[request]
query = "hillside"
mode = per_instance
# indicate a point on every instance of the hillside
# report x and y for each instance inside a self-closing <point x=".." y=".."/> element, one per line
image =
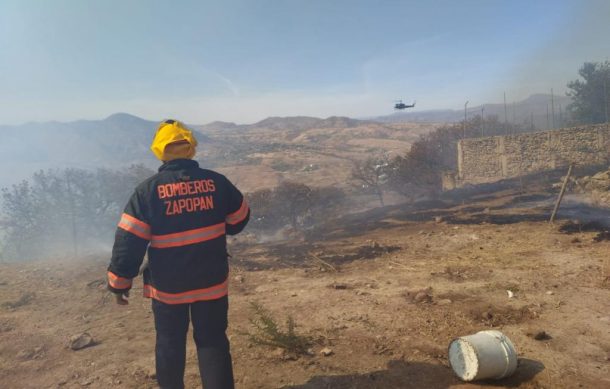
<point x="310" y="150"/>
<point x="281" y="147"/>
<point x="119" y="140"/>
<point x="273" y="149"/>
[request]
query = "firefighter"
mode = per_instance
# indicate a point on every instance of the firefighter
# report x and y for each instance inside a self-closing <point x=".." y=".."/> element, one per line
<point x="181" y="215"/>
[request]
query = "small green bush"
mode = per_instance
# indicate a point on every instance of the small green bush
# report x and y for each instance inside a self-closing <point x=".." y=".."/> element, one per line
<point x="268" y="333"/>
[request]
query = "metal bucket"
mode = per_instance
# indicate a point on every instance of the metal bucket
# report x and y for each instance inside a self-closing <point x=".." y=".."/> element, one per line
<point x="486" y="354"/>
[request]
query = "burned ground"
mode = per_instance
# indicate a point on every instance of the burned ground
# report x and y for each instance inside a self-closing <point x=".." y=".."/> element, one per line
<point x="385" y="291"/>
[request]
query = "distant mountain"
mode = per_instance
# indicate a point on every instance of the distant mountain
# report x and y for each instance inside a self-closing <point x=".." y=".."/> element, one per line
<point x="535" y="106"/>
<point x="218" y="125"/>
<point x="122" y="139"/>
<point x="289" y="123"/>
<point x="119" y="140"/>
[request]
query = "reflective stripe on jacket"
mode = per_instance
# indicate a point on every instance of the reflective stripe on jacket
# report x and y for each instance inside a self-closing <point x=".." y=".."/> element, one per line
<point x="181" y="215"/>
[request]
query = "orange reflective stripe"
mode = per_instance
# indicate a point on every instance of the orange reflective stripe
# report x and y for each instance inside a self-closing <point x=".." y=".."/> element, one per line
<point x="211" y="293"/>
<point x="239" y="215"/>
<point x="135" y="226"/>
<point x="188" y="237"/>
<point x="118" y="282"/>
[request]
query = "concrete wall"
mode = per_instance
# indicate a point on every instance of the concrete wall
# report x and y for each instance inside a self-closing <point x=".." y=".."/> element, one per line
<point x="495" y="158"/>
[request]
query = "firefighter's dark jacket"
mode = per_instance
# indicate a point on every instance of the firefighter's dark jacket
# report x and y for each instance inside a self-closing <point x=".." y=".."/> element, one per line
<point x="182" y="215"/>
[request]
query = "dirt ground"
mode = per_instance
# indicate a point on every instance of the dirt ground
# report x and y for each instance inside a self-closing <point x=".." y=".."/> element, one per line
<point x="386" y="291"/>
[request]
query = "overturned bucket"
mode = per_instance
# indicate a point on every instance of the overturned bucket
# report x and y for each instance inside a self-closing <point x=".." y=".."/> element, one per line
<point x="486" y="354"/>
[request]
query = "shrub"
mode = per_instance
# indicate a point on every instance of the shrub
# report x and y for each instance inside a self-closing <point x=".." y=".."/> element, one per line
<point x="267" y="332"/>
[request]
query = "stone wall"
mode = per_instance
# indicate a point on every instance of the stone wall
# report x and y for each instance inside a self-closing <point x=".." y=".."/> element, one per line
<point x="483" y="160"/>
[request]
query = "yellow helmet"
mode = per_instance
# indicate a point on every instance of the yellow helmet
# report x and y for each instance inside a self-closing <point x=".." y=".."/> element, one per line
<point x="172" y="131"/>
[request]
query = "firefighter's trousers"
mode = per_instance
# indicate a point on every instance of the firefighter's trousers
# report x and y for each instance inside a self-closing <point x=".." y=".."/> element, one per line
<point x="209" y="320"/>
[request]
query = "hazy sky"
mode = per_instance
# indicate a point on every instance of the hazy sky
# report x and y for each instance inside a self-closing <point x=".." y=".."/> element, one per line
<point x="245" y="60"/>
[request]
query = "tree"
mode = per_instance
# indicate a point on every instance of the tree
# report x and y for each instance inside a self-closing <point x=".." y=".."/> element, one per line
<point x="20" y="222"/>
<point x="60" y="211"/>
<point x="293" y="200"/>
<point x="419" y="171"/>
<point x="414" y="174"/>
<point x="293" y="203"/>
<point x="261" y="204"/>
<point x="371" y="174"/>
<point x="326" y="203"/>
<point x="591" y="95"/>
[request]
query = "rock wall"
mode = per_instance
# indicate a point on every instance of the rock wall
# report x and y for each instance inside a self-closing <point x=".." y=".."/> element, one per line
<point x="483" y="160"/>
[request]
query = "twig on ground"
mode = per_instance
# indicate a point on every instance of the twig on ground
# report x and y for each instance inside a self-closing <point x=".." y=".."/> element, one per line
<point x="323" y="262"/>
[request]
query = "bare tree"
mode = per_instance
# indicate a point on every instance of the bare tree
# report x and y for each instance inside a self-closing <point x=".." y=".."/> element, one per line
<point x="371" y="174"/>
<point x="293" y="200"/>
<point x="293" y="203"/>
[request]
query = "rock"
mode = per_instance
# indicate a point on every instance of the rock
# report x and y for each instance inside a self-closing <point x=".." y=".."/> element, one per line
<point x="78" y="342"/>
<point x="373" y="244"/>
<point x="25" y="355"/>
<point x="444" y="302"/>
<point x="540" y="335"/>
<point x="6" y="327"/>
<point x="337" y="285"/>
<point x="438" y="219"/>
<point x="239" y="278"/>
<point x="423" y="296"/>
<point x="510" y="294"/>
<point x="487" y="315"/>
<point x="550" y="292"/>
<point x="326" y="351"/>
<point x="24" y="299"/>
<point x="35" y="353"/>
<point x="284" y="355"/>
<point x="97" y="284"/>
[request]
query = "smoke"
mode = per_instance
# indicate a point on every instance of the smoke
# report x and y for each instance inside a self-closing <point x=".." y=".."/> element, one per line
<point x="69" y="212"/>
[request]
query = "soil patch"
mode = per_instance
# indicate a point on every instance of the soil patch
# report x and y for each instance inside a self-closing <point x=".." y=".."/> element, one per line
<point x="460" y="273"/>
<point x="496" y="316"/>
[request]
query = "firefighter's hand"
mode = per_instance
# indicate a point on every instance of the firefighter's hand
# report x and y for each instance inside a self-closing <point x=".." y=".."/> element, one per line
<point x="122" y="298"/>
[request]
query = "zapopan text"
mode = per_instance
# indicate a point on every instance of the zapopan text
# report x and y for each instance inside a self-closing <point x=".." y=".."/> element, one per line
<point x="192" y="203"/>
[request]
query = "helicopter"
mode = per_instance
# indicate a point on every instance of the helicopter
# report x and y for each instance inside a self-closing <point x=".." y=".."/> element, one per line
<point x="400" y="105"/>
